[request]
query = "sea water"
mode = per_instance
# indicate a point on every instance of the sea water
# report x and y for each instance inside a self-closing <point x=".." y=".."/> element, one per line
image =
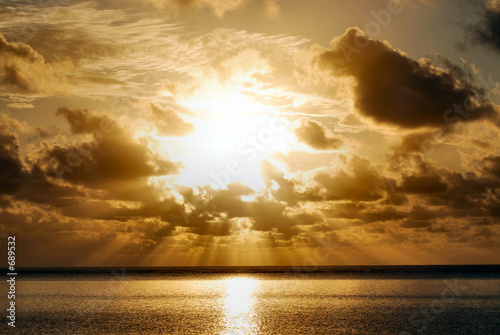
<point x="330" y="300"/>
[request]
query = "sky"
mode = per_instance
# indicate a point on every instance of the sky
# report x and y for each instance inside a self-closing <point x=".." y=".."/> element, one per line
<point x="250" y="132"/>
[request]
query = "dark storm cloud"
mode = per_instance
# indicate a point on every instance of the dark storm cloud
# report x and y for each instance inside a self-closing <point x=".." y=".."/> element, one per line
<point x="36" y="187"/>
<point x="10" y="163"/>
<point x="379" y="213"/>
<point x="26" y="182"/>
<point x="284" y="224"/>
<point x="487" y="32"/>
<point x="361" y="183"/>
<point x="465" y="195"/>
<point x="415" y="224"/>
<point x="417" y="142"/>
<point x="421" y="213"/>
<point x="459" y="195"/>
<point x="26" y="185"/>
<point x="435" y="194"/>
<point x="392" y="88"/>
<point x="315" y="135"/>
<point x="265" y="215"/>
<point x="422" y="184"/>
<point x="166" y="211"/>
<point x="358" y="181"/>
<point x="206" y="225"/>
<point x="169" y="123"/>
<point x="111" y="156"/>
<point x="111" y="161"/>
<point x="364" y="212"/>
<point x="492" y="165"/>
<point x="64" y="239"/>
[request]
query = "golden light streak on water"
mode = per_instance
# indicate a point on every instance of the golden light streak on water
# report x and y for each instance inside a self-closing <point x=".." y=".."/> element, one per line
<point x="239" y="306"/>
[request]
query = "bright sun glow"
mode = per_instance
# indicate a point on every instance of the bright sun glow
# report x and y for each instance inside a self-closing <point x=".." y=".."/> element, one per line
<point x="229" y="101"/>
<point x="233" y="134"/>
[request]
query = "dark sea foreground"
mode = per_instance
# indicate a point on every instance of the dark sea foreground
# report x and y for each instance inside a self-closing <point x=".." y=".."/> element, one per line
<point x="257" y="300"/>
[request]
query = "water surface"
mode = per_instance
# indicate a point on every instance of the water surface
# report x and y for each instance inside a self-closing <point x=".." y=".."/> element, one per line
<point x="349" y="300"/>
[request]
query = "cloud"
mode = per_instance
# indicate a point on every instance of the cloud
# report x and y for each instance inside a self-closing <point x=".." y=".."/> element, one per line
<point x="20" y="105"/>
<point x="107" y="43"/>
<point x="416" y="224"/>
<point x="361" y="183"/>
<point x="417" y="142"/>
<point x="394" y="89"/>
<point x="169" y="123"/>
<point x="286" y="188"/>
<point x="459" y="195"/>
<point x="423" y="184"/>
<point x="10" y="167"/>
<point x="364" y="212"/>
<point x="23" y="182"/>
<point x="266" y="215"/>
<point x="113" y="167"/>
<point x="110" y="156"/>
<point x="59" y="43"/>
<point x="487" y="32"/>
<point x="266" y="219"/>
<point x="315" y="135"/>
<point x="23" y="70"/>
<point x="492" y="165"/>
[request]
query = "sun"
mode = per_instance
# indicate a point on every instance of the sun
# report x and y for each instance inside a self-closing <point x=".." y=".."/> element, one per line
<point x="233" y="134"/>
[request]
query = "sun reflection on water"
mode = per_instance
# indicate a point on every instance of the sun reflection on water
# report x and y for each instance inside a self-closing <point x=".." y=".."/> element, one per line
<point x="239" y="311"/>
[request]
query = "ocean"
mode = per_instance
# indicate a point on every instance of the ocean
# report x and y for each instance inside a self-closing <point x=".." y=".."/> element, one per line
<point x="257" y="300"/>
